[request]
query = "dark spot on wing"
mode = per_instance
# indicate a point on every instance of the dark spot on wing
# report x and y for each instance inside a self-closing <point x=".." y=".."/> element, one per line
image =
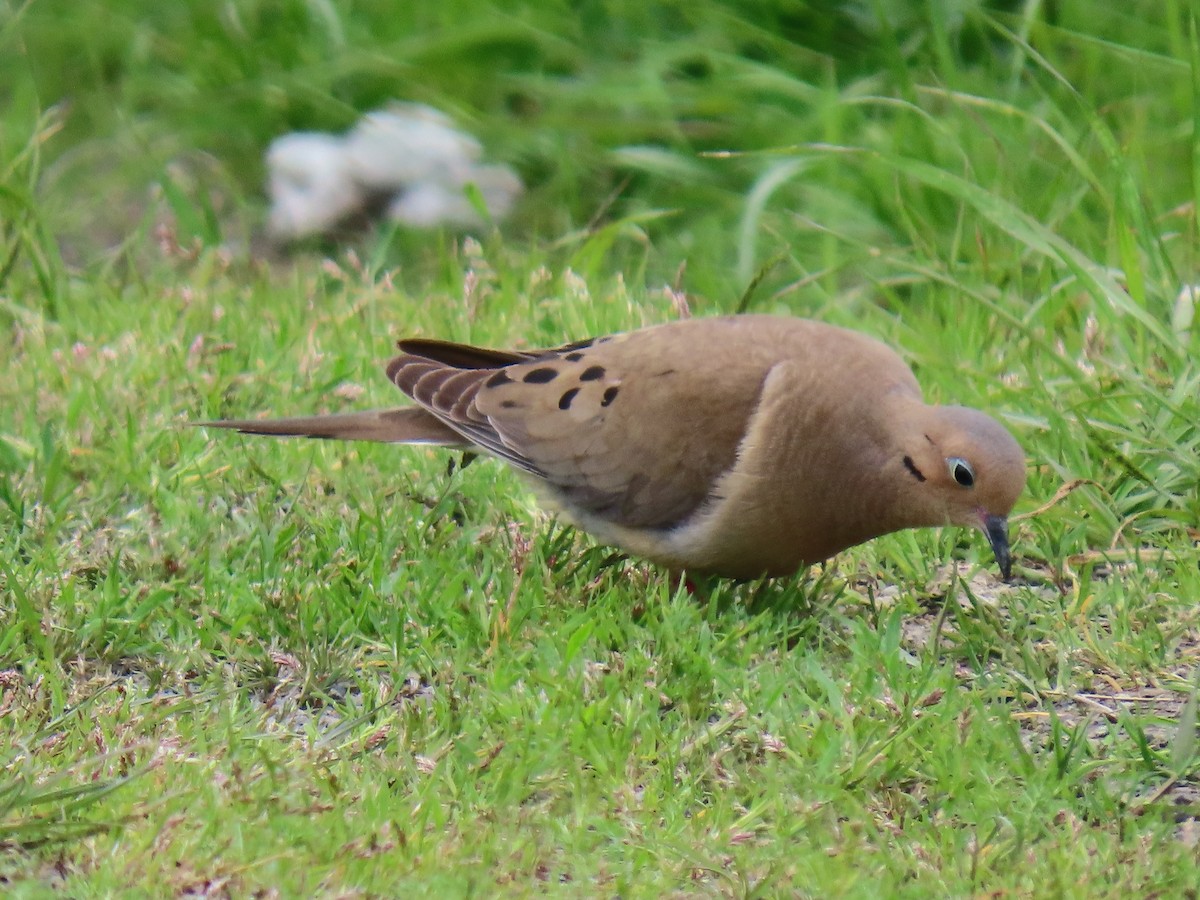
<point x="912" y="467"/>
<point x="609" y="396"/>
<point x="564" y="402"/>
<point x="592" y="373"/>
<point x="578" y="345"/>
<point x="573" y="357"/>
<point x="540" y="376"/>
<point x="498" y="379"/>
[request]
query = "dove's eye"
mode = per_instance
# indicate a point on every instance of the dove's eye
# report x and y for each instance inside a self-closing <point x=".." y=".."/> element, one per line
<point x="961" y="471"/>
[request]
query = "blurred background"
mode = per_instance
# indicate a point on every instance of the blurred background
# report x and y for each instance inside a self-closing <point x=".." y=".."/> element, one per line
<point x="713" y="134"/>
<point x="236" y="667"/>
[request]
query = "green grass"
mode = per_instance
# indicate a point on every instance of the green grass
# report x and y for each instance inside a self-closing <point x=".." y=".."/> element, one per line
<point x="237" y="666"/>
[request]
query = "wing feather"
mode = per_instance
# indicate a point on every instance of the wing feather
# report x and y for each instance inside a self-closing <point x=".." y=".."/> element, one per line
<point x="586" y="419"/>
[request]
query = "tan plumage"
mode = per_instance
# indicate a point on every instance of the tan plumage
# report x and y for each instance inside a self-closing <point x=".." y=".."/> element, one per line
<point x="739" y="446"/>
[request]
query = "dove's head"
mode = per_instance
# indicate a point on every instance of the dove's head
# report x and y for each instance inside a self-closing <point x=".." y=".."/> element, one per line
<point x="964" y="468"/>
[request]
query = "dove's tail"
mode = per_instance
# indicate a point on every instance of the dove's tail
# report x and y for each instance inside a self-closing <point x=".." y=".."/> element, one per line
<point x="405" y="425"/>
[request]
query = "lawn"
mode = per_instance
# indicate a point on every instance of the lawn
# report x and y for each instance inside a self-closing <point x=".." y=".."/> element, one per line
<point x="235" y="666"/>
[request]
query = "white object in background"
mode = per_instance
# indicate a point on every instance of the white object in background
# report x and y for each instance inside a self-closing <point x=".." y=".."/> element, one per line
<point x="434" y="203"/>
<point x="311" y="187"/>
<point x="1184" y="312"/>
<point x="409" y="154"/>
<point x="407" y="143"/>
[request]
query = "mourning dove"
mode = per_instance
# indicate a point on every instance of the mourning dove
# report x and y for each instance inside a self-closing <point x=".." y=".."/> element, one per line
<point x="741" y="446"/>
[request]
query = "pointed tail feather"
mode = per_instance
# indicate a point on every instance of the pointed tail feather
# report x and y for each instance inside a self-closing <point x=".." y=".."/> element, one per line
<point x="462" y="356"/>
<point x="406" y="425"/>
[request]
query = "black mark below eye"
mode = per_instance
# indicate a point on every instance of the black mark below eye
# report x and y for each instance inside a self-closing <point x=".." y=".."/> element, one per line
<point x="540" y="376"/>
<point x="912" y="467"/>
